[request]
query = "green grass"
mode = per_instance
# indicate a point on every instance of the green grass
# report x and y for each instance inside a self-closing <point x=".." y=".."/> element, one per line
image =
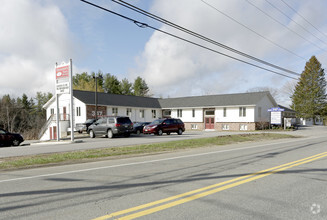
<point x="114" y="152"/>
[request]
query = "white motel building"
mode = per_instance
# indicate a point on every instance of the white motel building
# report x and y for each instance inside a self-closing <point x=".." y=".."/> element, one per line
<point x="242" y="111"/>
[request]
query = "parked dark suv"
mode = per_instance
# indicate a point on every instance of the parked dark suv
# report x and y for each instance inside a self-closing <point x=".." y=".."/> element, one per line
<point x="111" y="126"/>
<point x="167" y="126"/>
<point x="8" y="139"/>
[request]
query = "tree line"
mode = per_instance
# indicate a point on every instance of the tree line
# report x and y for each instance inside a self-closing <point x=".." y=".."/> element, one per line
<point x="109" y="83"/>
<point x="23" y="114"/>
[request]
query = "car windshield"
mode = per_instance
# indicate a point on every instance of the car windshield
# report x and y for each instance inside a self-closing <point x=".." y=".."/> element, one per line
<point x="136" y="124"/>
<point x="158" y="121"/>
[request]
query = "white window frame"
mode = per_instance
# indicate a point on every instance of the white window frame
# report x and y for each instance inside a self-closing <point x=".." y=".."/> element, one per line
<point x="179" y="113"/>
<point x="128" y="112"/>
<point x="115" y="111"/>
<point x="154" y="113"/>
<point x="193" y="113"/>
<point x="225" y="127"/>
<point x="242" y="112"/>
<point x="194" y="126"/>
<point x="243" y="127"/>
<point x="142" y="113"/>
<point x="78" y="111"/>
<point x="225" y="113"/>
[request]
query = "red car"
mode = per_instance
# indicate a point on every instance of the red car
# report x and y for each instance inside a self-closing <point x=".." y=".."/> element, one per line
<point x="167" y="126"/>
<point x="8" y="139"/>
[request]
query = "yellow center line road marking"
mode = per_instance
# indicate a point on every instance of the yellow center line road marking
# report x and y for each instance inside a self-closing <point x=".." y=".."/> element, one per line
<point x="205" y="191"/>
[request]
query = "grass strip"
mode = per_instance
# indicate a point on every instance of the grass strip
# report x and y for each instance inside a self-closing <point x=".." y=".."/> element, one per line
<point x="113" y="152"/>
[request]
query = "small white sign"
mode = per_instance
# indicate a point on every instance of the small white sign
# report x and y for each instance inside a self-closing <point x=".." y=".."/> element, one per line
<point x="62" y="88"/>
<point x="276" y="118"/>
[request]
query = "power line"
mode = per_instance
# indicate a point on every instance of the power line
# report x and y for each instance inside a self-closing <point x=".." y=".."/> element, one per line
<point x="295" y="22"/>
<point x="304" y="18"/>
<point x="243" y="25"/>
<point x="144" y="25"/>
<point x="285" y="25"/>
<point x="157" y="18"/>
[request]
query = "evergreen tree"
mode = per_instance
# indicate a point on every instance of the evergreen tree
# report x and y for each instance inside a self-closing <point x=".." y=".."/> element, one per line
<point x="140" y="87"/>
<point x="126" y="87"/>
<point x="309" y="97"/>
<point x="111" y="84"/>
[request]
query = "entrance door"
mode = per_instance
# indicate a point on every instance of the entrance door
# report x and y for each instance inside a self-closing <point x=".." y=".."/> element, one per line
<point x="210" y="123"/>
<point x="65" y="114"/>
<point x="54" y="132"/>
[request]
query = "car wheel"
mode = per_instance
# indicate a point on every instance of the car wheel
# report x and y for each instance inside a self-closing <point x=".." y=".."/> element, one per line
<point x="92" y="135"/>
<point x="138" y="132"/>
<point x="168" y="133"/>
<point x="110" y="134"/>
<point x="180" y="132"/>
<point x="15" y="142"/>
<point x="160" y="132"/>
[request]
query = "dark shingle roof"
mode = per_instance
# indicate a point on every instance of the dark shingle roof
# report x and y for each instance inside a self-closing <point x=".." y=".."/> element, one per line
<point x="215" y="100"/>
<point x="193" y="101"/>
<point x="116" y="100"/>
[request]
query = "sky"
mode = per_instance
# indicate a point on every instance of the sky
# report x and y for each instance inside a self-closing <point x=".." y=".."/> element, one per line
<point x="37" y="34"/>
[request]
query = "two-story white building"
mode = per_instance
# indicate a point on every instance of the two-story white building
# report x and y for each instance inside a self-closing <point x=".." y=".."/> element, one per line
<point x="243" y="111"/>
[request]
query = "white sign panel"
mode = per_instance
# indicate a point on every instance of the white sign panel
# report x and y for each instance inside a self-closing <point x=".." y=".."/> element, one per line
<point x="276" y="118"/>
<point x="62" y="79"/>
<point x="62" y="88"/>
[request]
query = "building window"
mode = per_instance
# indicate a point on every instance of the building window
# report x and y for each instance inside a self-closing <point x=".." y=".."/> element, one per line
<point x="193" y="113"/>
<point x="52" y="111"/>
<point x="259" y="112"/>
<point x="194" y="126"/>
<point x="242" y="112"/>
<point x="115" y="111"/>
<point x="243" y="127"/>
<point x="225" y="112"/>
<point x="128" y="111"/>
<point x="78" y="111"/>
<point x="142" y="113"/>
<point x="154" y="113"/>
<point x="225" y="127"/>
<point x="210" y="112"/>
<point x="167" y="113"/>
<point x="179" y="113"/>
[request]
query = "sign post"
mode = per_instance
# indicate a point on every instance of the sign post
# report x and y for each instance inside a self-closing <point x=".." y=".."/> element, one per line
<point x="64" y="86"/>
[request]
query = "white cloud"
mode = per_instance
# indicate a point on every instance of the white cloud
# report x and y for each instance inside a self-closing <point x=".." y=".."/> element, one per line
<point x="34" y="36"/>
<point x="175" y="68"/>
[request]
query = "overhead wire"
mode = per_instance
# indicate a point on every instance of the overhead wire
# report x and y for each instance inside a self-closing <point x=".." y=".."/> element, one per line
<point x="272" y="5"/>
<point x="144" y="25"/>
<point x="157" y="18"/>
<point x="253" y="31"/>
<point x="285" y="26"/>
<point x="303" y="18"/>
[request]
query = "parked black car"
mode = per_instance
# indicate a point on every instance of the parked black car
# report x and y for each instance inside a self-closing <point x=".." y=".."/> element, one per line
<point x="111" y="126"/>
<point x="9" y="139"/>
<point x="138" y="127"/>
<point x="166" y="125"/>
<point x="81" y="127"/>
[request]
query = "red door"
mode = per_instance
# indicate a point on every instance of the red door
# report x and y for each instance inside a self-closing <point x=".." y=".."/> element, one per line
<point x="54" y="132"/>
<point x="50" y="130"/>
<point x="209" y="123"/>
<point x="64" y="111"/>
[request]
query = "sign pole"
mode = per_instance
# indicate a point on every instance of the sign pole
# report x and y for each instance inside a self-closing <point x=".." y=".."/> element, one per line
<point x="58" y="112"/>
<point x="72" y="117"/>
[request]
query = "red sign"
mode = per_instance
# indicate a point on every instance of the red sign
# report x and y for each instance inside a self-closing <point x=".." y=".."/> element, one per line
<point x="62" y="72"/>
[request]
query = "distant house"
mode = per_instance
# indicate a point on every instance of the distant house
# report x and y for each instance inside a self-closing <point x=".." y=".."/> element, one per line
<point x="243" y="111"/>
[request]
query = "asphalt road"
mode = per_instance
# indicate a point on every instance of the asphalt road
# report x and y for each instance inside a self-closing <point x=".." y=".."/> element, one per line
<point x="282" y="179"/>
